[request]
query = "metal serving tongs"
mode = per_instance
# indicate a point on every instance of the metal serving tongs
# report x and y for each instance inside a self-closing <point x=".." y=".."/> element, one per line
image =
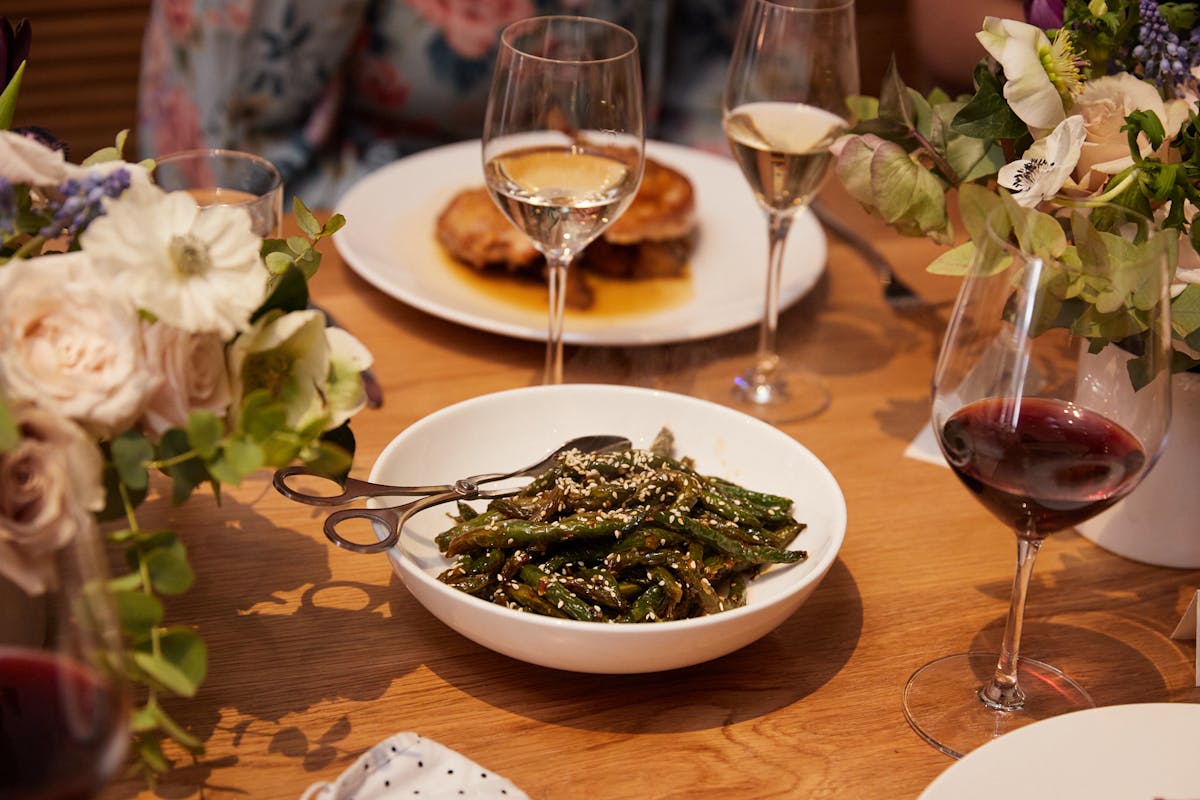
<point x="392" y="518"/>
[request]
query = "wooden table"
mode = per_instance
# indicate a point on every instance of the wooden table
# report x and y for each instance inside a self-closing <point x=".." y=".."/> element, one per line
<point x="316" y="654"/>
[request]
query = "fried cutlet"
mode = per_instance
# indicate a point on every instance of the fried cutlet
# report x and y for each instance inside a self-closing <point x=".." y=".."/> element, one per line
<point x="653" y="238"/>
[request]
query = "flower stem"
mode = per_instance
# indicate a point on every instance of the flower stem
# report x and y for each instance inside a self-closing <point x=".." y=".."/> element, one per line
<point x="178" y="458"/>
<point x="938" y="160"/>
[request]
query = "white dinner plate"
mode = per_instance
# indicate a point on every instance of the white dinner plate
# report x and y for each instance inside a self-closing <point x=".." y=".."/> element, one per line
<point x="1142" y="751"/>
<point x="389" y="241"/>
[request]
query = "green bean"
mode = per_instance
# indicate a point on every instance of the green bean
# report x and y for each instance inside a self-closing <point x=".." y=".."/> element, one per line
<point x="628" y="536"/>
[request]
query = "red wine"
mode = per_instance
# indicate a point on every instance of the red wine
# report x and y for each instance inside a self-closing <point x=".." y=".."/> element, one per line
<point x="61" y="727"/>
<point x="1040" y="465"/>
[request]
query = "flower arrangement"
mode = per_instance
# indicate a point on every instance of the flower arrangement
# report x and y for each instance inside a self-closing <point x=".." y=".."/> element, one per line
<point x="142" y="334"/>
<point x="1088" y="102"/>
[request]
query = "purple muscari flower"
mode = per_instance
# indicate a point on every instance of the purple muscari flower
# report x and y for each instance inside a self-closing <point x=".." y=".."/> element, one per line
<point x="1165" y="60"/>
<point x="14" y="48"/>
<point x="1045" y="13"/>
<point x="81" y="201"/>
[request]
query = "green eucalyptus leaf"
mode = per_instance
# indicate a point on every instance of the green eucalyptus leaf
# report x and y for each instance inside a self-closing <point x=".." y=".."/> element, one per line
<point x="126" y="583"/>
<point x="150" y="752"/>
<point x="114" y="504"/>
<point x="304" y="218"/>
<point x="204" y="432"/>
<point x="173" y="729"/>
<point x="281" y="449"/>
<point x="332" y="225"/>
<point x="262" y="417"/>
<point x="137" y="612"/>
<point x="239" y="458"/>
<point x="185" y="475"/>
<point x="299" y="245"/>
<point x="278" y="263"/>
<point x="130" y="453"/>
<point x="144" y="719"/>
<point x="170" y="573"/>
<point x="327" y="458"/>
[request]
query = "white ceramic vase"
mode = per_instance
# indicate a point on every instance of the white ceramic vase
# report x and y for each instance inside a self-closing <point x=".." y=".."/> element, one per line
<point x="1159" y="522"/>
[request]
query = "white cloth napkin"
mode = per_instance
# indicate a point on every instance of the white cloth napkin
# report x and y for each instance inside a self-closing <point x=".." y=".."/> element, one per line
<point x="409" y="765"/>
<point x="925" y="448"/>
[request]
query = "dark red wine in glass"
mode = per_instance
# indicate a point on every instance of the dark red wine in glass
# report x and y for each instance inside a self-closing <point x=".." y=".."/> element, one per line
<point x="1040" y="464"/>
<point x="62" y="727"/>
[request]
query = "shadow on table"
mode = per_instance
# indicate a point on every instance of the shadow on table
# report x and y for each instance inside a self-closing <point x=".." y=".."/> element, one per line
<point x="771" y="673"/>
<point x="247" y="614"/>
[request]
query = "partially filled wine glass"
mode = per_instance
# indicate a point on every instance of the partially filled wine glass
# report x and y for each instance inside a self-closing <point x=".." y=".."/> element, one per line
<point x="64" y="704"/>
<point x="564" y="141"/>
<point x="1051" y="401"/>
<point x="794" y="67"/>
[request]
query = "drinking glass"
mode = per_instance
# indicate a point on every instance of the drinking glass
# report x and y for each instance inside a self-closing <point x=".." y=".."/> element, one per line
<point x="563" y="141"/>
<point x="1043" y="431"/>
<point x="63" y="703"/>
<point x="794" y="66"/>
<point x="227" y="178"/>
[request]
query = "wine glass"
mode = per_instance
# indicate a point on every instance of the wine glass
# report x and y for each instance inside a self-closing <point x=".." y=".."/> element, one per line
<point x="1044" y="432"/>
<point x="794" y="66"/>
<point x="563" y="141"/>
<point x="64" y="705"/>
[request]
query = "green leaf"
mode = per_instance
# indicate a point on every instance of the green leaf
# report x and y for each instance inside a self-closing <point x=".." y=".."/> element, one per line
<point x="125" y="583"/>
<point x="183" y="662"/>
<point x="304" y="218"/>
<point x="130" y="452"/>
<point x="8" y="99"/>
<point x="170" y="573"/>
<point x="1185" y="315"/>
<point x="137" y="612"/>
<point x="238" y="459"/>
<point x="895" y="101"/>
<point x="956" y="261"/>
<point x="289" y="294"/>
<point x="327" y="458"/>
<point x="10" y="437"/>
<point x="987" y="115"/>
<point x="204" y="432"/>
<point x="863" y="107"/>
<point x="114" y="505"/>
<point x="332" y="225"/>
<point x="185" y="475"/>
<point x="149" y="751"/>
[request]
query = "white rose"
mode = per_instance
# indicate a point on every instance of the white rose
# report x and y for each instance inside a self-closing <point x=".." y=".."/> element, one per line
<point x="26" y="160"/>
<point x="1104" y="104"/>
<point x="49" y="485"/>
<point x="69" y="345"/>
<point x="192" y="368"/>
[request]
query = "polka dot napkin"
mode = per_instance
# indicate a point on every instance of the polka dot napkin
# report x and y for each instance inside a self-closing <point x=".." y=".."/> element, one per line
<point x="408" y="765"/>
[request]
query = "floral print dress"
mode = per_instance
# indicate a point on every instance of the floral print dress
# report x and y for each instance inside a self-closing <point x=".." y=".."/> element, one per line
<point x="331" y="89"/>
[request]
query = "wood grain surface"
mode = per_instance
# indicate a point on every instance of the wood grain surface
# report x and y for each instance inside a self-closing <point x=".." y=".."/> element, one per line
<point x="317" y="654"/>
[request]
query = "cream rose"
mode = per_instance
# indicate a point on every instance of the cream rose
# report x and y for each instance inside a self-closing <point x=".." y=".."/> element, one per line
<point x="69" y="345"/>
<point x="49" y="487"/>
<point x="1104" y="104"/>
<point x="192" y="368"/>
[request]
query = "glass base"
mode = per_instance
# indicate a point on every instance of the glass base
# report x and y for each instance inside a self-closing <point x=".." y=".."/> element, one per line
<point x="942" y="700"/>
<point x="787" y="397"/>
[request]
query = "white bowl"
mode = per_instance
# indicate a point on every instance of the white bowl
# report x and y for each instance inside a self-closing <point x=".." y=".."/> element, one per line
<point x="507" y="430"/>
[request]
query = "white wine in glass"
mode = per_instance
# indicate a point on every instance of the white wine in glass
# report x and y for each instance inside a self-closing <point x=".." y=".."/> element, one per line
<point x="794" y="66"/>
<point x="564" y="141"/>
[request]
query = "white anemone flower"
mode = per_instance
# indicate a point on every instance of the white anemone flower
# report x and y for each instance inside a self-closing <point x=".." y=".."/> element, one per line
<point x="198" y="268"/>
<point x="1041" y="76"/>
<point x="1047" y="164"/>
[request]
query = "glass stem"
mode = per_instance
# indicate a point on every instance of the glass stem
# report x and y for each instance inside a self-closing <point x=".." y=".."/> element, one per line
<point x="556" y="281"/>
<point x="1002" y="692"/>
<point x="767" y="359"/>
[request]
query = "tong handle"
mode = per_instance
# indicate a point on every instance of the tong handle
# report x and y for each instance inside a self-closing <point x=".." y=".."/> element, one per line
<point x="352" y="488"/>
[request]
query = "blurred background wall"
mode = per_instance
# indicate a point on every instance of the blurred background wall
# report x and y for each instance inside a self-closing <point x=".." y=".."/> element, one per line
<point x="82" y="79"/>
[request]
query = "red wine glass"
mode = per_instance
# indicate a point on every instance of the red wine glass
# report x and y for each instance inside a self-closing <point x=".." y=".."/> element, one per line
<point x="1044" y="426"/>
<point x="63" y="703"/>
